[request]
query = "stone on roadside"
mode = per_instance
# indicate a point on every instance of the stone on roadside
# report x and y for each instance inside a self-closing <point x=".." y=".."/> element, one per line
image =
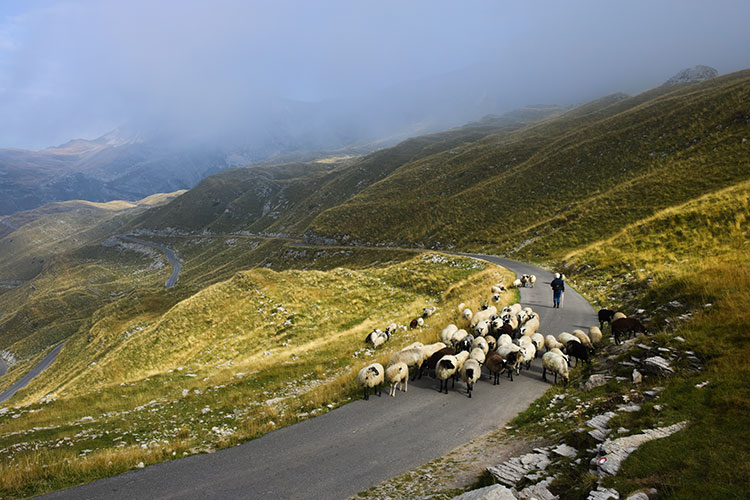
<point x="637" y="377"/>
<point x="638" y="496"/>
<point x="602" y="493"/>
<point x="494" y="492"/>
<point x="565" y="451"/>
<point x="656" y="365"/>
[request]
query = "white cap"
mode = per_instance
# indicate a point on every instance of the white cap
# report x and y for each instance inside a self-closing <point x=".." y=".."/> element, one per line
<point x="557" y="275"/>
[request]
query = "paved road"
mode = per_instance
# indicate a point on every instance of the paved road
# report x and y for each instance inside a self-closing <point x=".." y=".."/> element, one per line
<point x="39" y="368"/>
<point x="176" y="266"/>
<point x="3" y="367"/>
<point x="357" y="445"/>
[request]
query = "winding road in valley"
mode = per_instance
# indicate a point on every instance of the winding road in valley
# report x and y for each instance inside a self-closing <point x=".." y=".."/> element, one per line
<point x="176" y="266"/>
<point x="360" y="444"/>
<point x="39" y="368"/>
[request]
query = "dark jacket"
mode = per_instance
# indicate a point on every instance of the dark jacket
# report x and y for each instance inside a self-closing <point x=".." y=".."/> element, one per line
<point x="558" y="284"/>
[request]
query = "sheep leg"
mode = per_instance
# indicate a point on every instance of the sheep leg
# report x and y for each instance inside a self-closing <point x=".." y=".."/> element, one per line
<point x="367" y="395"/>
<point x="544" y="373"/>
<point x="406" y="384"/>
<point x="453" y="385"/>
<point x="379" y="390"/>
<point x="555" y="379"/>
<point x="468" y="388"/>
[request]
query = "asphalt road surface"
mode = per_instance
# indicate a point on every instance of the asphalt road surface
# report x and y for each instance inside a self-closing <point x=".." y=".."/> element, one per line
<point x="39" y="368"/>
<point x="359" y="444"/>
<point x="176" y="266"/>
<point x="3" y="367"/>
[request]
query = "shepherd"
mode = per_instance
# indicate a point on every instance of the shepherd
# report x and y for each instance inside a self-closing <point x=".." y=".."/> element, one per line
<point x="558" y="290"/>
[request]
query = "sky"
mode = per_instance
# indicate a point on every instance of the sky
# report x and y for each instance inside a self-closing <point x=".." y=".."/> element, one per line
<point x="80" y="68"/>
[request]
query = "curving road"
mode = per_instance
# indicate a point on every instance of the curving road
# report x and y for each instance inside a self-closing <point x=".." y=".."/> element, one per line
<point x="359" y="444"/>
<point x="176" y="266"/>
<point x="39" y="368"/>
<point x="3" y="367"/>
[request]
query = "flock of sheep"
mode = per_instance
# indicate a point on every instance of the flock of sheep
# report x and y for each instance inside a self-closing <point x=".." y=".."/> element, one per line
<point x="504" y="343"/>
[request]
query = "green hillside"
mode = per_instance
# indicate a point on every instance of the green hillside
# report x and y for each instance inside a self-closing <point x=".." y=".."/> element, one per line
<point x="642" y="200"/>
<point x="569" y="181"/>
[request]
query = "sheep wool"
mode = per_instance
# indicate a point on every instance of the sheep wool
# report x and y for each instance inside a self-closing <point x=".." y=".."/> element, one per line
<point x="445" y="369"/>
<point x="618" y="315"/>
<point x="461" y="307"/>
<point x="481" y="343"/>
<point x="555" y="364"/>
<point x="478" y="355"/>
<point x="447" y="333"/>
<point x="467" y="314"/>
<point x="470" y="373"/>
<point x="371" y="377"/>
<point x="595" y="334"/>
<point x="397" y="375"/>
<point x="550" y="342"/>
<point x="431" y="349"/>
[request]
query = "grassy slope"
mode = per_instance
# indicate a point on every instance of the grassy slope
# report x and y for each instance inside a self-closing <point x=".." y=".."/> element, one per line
<point x="210" y="351"/>
<point x="568" y="181"/>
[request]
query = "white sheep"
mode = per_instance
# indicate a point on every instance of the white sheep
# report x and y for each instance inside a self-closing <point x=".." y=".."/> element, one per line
<point x="482" y="328"/>
<point x="491" y="342"/>
<point x="458" y="336"/>
<point x="446" y="367"/>
<point x="595" y="334"/>
<point x="565" y="356"/>
<point x="371" y="377"/>
<point x="513" y="309"/>
<point x="431" y="349"/>
<point x="447" y="333"/>
<point x="532" y="280"/>
<point x="522" y="317"/>
<point x="496" y="297"/>
<point x="618" y="315"/>
<point x="517" y="283"/>
<point x="481" y="343"/>
<point x="470" y="373"/>
<point x="528" y="353"/>
<point x="538" y="340"/>
<point x="529" y="311"/>
<point x="550" y="342"/>
<point x="428" y="311"/>
<point x="566" y="337"/>
<point x="413" y="357"/>
<point x="503" y="339"/>
<point x="531" y="326"/>
<point x="461" y="358"/>
<point x="467" y="314"/>
<point x="413" y="344"/>
<point x="397" y="375"/>
<point x="483" y="315"/>
<point x="478" y="354"/>
<point x="556" y="364"/>
<point x="461" y="307"/>
<point x="585" y="340"/>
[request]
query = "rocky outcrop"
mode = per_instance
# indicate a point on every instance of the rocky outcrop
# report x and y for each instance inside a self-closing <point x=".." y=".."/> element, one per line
<point x="494" y="492"/>
<point x="691" y="75"/>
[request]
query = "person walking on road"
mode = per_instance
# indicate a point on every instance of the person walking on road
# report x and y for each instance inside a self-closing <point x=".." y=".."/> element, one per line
<point x="558" y="289"/>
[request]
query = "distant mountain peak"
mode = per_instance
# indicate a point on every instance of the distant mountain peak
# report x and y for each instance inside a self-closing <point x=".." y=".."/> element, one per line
<point x="697" y="73"/>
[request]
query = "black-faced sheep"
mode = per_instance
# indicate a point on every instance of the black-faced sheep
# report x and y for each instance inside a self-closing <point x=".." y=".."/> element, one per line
<point x="371" y="377"/>
<point x="377" y="337"/>
<point x="428" y="311"/>
<point x="467" y="314"/>
<point x="416" y="323"/>
<point x="432" y="361"/>
<point x="556" y="364"/>
<point x="478" y="355"/>
<point x="446" y="367"/>
<point x="470" y="373"/>
<point x="626" y="326"/>
<point x="397" y="375"/>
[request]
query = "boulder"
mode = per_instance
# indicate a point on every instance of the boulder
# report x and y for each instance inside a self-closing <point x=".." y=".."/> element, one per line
<point x="656" y="365"/>
<point x="595" y="380"/>
<point x="494" y="492"/>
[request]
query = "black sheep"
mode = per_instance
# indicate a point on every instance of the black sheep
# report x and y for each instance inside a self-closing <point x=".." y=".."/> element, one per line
<point x="605" y="316"/>
<point x="628" y="326"/>
<point x="577" y="350"/>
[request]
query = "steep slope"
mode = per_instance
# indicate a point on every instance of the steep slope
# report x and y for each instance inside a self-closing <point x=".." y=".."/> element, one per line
<point x="562" y="183"/>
